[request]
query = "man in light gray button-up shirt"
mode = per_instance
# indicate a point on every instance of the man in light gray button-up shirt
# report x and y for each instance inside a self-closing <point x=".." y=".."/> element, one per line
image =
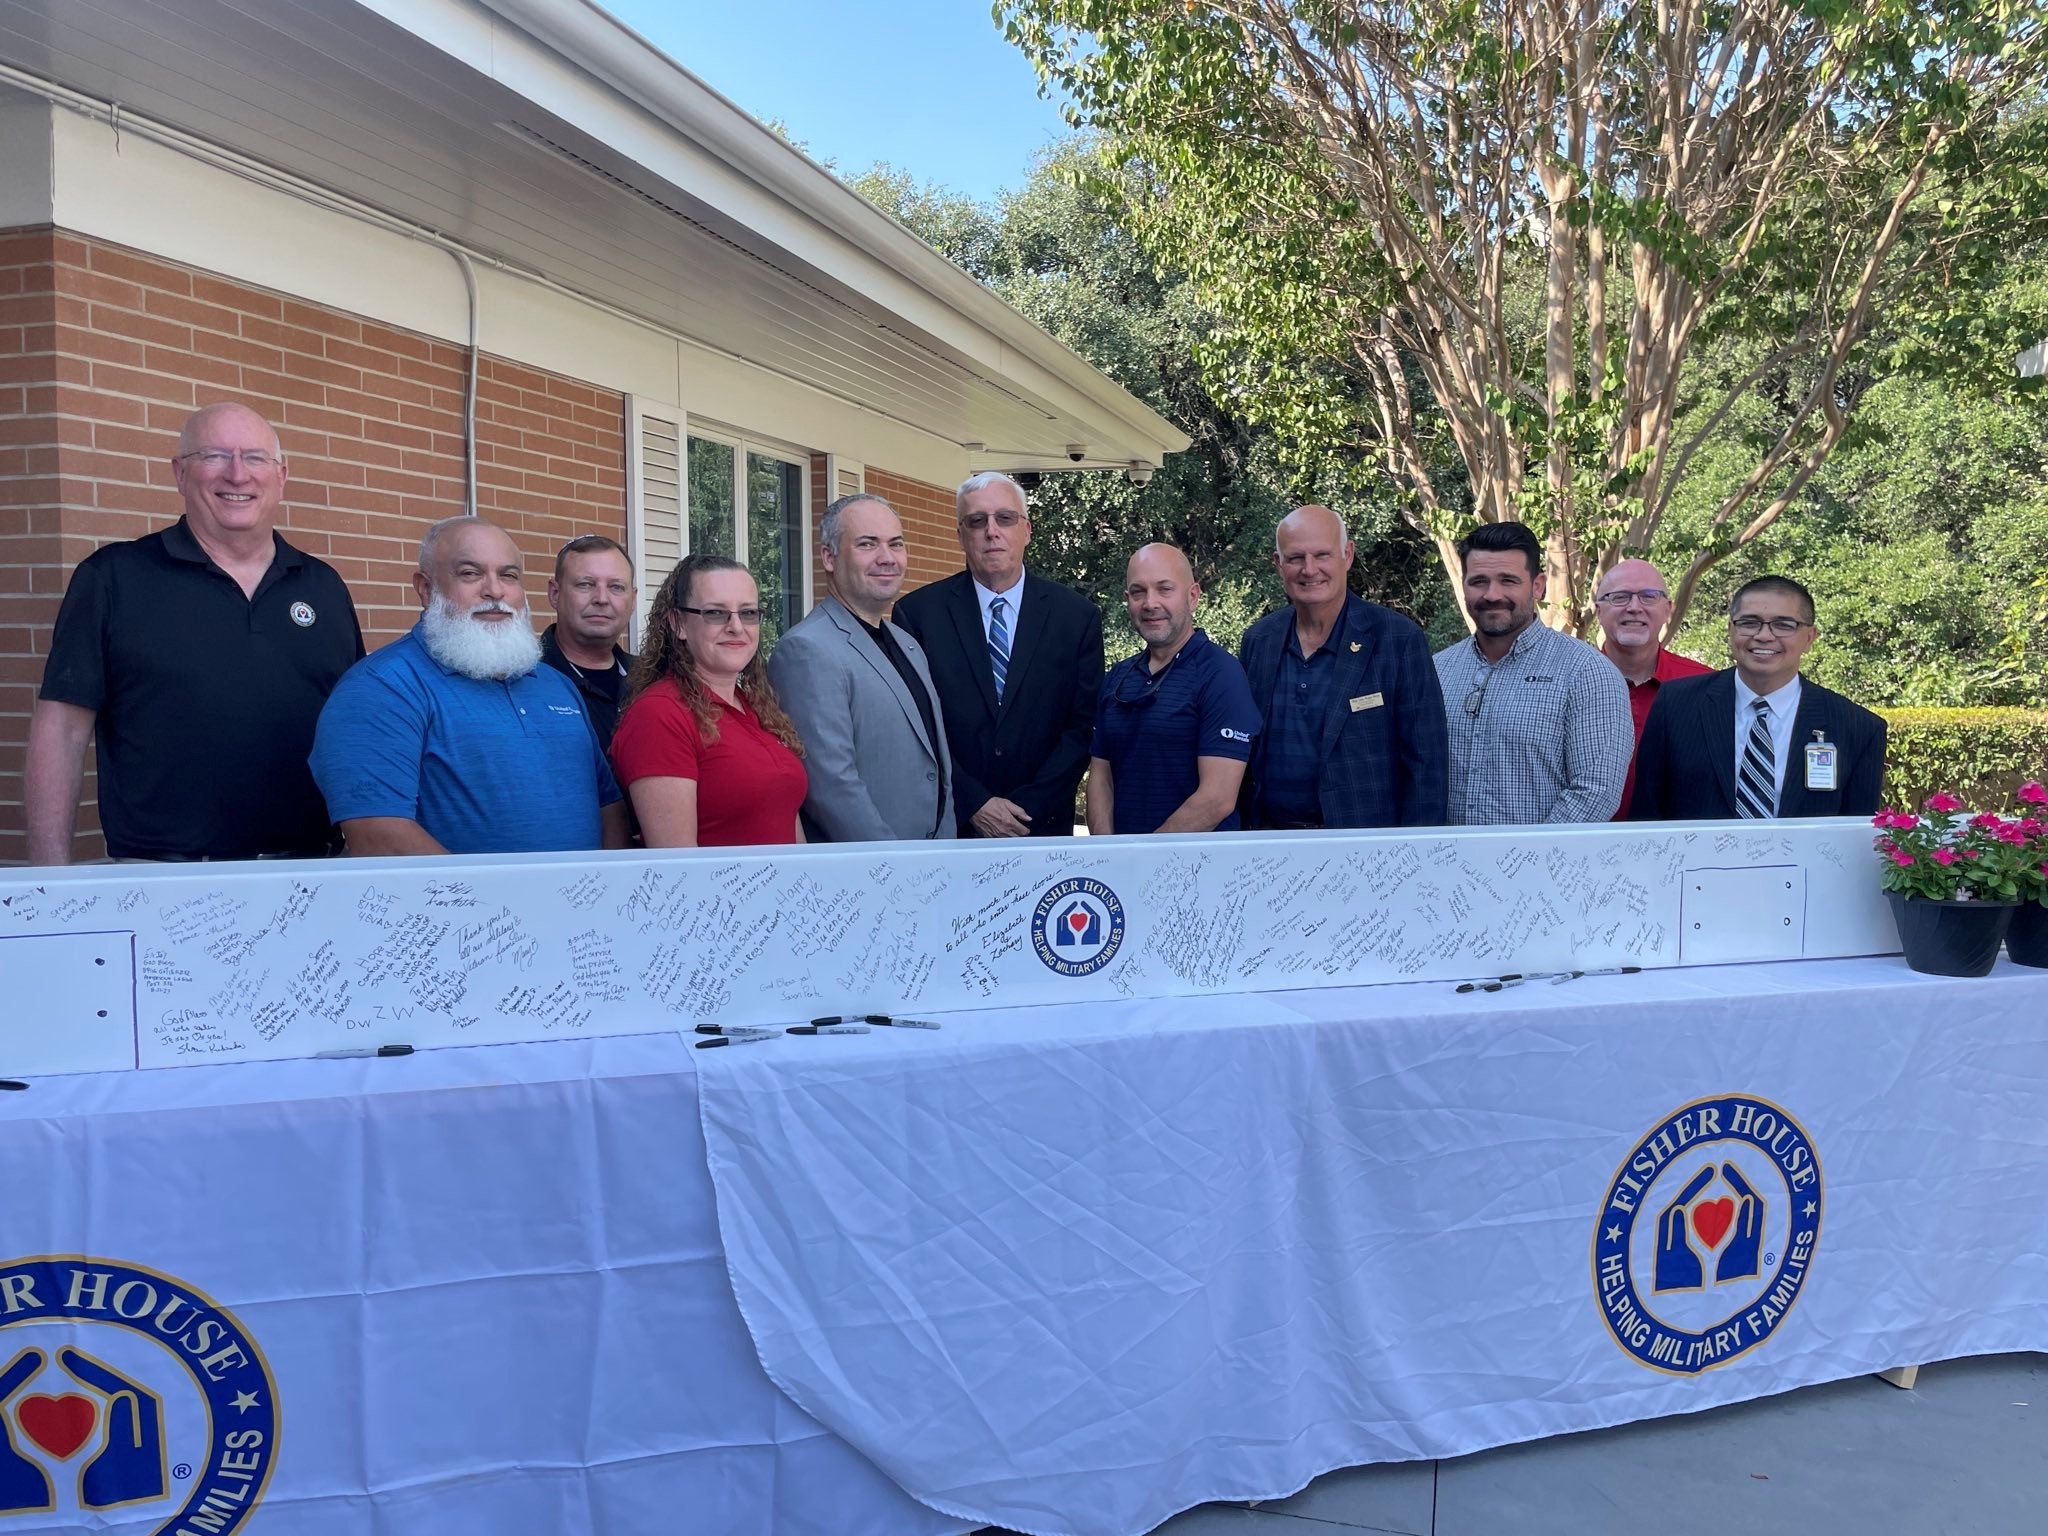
<point x="1539" y="721"/>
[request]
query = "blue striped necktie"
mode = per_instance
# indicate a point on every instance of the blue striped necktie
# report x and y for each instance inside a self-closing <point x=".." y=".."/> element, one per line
<point x="1756" y="788"/>
<point x="999" y="643"/>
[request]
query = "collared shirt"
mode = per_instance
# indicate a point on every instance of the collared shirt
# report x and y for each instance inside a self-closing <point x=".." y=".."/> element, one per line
<point x="600" y="686"/>
<point x="1014" y="599"/>
<point x="1641" y="696"/>
<point x="749" y="785"/>
<point x="1543" y="735"/>
<point x="485" y="766"/>
<point x="205" y="697"/>
<point x="1784" y="711"/>
<point x="919" y="695"/>
<point x="1152" y="727"/>
<point x="1294" y="727"/>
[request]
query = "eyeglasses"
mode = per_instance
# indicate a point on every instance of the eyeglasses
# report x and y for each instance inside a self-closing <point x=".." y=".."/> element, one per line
<point x="976" y="521"/>
<point x="718" y="618"/>
<point x="1621" y="599"/>
<point x="1477" y="696"/>
<point x="1147" y="688"/>
<point x="1752" y="624"/>
<point x="221" y="458"/>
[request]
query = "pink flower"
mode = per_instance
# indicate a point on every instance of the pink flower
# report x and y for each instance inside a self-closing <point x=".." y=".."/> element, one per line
<point x="1883" y="818"/>
<point x="1901" y="858"/>
<point x="2032" y="827"/>
<point x="1986" y="821"/>
<point x="1972" y="853"/>
<point x="2032" y="793"/>
<point x="1942" y="857"/>
<point x="1943" y="802"/>
<point x="2008" y="833"/>
<point x="1905" y="821"/>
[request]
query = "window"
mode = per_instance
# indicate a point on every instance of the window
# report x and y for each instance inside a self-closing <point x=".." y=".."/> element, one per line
<point x="747" y="503"/>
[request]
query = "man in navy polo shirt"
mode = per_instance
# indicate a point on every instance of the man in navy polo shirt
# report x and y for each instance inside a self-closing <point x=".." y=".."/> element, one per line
<point x="1176" y="722"/>
<point x="453" y="738"/>
<point x="196" y="661"/>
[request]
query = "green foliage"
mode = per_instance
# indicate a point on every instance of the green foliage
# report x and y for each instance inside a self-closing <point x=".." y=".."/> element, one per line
<point x="1980" y="755"/>
<point x="1061" y="251"/>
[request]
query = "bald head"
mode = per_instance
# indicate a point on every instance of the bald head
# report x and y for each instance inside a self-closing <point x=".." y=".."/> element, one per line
<point x="222" y="419"/>
<point x="1160" y="593"/>
<point x="1634" y="606"/>
<point x="1313" y="557"/>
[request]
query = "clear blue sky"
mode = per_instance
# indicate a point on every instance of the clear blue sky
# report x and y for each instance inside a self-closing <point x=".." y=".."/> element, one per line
<point x="928" y="85"/>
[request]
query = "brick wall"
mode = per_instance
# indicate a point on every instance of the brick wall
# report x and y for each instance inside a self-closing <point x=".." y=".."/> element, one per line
<point x="104" y="352"/>
<point x="929" y="527"/>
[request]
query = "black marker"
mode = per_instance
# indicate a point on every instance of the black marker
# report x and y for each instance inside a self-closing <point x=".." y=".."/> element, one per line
<point x="1489" y="986"/>
<point x="827" y="1029"/>
<point x="735" y="1030"/>
<point x="12" y="1085"/>
<point x="1611" y="970"/>
<point x="705" y="1045"/>
<point x="382" y="1050"/>
<point x="895" y="1023"/>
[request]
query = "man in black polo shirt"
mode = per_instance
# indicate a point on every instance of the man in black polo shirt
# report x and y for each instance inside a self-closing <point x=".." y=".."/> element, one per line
<point x="197" y="660"/>
<point x="592" y="595"/>
<point x="1175" y="723"/>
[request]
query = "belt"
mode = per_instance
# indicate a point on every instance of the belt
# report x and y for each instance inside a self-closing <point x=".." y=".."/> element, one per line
<point x="224" y="858"/>
<point x="1275" y="824"/>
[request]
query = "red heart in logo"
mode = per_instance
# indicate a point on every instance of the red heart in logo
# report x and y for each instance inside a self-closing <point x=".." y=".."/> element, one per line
<point x="1712" y="1218"/>
<point x="60" y="1425"/>
<point x="1077" y="921"/>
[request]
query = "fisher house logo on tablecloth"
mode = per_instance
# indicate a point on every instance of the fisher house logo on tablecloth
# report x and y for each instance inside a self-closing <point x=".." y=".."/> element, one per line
<point x="1706" y="1237"/>
<point x="124" y="1389"/>
<point x="1077" y="926"/>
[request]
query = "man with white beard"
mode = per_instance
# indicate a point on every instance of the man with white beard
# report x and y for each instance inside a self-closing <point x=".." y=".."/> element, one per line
<point x="453" y="738"/>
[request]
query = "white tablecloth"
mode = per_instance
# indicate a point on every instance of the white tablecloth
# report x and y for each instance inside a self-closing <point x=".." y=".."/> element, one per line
<point x="485" y="1285"/>
<point x="1073" y="1269"/>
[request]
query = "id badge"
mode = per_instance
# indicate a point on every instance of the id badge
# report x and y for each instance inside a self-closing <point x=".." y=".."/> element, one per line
<point x="1820" y="765"/>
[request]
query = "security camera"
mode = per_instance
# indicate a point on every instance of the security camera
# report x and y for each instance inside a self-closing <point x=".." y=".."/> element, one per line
<point x="1077" y="451"/>
<point x="1140" y="472"/>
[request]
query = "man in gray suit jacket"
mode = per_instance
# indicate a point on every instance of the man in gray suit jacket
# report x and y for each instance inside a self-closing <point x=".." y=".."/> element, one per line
<point x="860" y="694"/>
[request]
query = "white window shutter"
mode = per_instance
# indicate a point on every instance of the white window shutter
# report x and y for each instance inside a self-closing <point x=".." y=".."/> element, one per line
<point x="654" y="493"/>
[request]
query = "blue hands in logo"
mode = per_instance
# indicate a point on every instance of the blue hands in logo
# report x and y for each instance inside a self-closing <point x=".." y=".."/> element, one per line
<point x="1742" y="1259"/>
<point x="23" y="1484"/>
<point x="131" y="1467"/>
<point x="1068" y="932"/>
<point x="1678" y="1265"/>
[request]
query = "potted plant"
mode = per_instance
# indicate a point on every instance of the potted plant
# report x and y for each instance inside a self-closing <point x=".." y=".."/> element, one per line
<point x="1954" y="882"/>
<point x="2026" y="941"/>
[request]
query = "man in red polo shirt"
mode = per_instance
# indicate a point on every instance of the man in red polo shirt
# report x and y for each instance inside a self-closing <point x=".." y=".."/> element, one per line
<point x="1634" y="606"/>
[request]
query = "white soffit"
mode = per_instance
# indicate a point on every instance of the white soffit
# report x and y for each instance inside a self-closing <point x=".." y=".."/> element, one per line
<point x="609" y="170"/>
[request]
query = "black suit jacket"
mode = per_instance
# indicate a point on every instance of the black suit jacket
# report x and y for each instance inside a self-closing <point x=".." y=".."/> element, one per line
<point x="1685" y="767"/>
<point x="1032" y="749"/>
<point x="1387" y="764"/>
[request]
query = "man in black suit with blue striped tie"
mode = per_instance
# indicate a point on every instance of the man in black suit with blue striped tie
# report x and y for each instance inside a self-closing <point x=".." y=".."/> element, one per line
<point x="1759" y="741"/>
<point x="1017" y="662"/>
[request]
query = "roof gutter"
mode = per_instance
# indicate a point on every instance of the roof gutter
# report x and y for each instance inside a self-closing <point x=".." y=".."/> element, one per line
<point x="612" y="52"/>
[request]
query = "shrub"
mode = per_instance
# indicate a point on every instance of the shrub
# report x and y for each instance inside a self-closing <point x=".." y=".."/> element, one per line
<point x="1982" y="755"/>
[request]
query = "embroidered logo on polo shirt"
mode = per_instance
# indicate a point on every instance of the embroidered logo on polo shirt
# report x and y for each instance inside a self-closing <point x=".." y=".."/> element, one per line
<point x="303" y="615"/>
<point x="1229" y="735"/>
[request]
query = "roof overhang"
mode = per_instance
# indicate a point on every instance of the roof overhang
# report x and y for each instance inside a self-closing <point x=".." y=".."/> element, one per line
<point x="549" y="136"/>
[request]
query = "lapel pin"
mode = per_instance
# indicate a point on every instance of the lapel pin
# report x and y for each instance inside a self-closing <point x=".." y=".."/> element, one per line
<point x="1357" y="646"/>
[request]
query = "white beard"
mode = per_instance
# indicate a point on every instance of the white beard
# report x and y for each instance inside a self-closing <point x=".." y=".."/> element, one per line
<point x="487" y="652"/>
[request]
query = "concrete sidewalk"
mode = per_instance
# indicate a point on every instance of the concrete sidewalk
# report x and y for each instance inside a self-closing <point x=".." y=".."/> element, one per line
<point x="1965" y="1452"/>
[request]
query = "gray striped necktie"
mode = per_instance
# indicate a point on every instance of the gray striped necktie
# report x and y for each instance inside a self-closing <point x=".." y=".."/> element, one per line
<point x="999" y="643"/>
<point x="1756" y="787"/>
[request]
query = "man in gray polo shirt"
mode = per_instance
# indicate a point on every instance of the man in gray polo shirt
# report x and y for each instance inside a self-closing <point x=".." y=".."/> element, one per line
<point x="1539" y="721"/>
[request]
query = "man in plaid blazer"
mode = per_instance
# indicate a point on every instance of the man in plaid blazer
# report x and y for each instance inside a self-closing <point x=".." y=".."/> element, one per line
<point x="1355" y="732"/>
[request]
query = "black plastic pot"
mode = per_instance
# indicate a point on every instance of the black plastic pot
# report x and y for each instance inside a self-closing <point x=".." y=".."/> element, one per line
<point x="1950" y="938"/>
<point x="2026" y="941"/>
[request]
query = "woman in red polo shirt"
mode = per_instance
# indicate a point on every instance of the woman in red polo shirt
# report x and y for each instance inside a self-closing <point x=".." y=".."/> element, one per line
<point x="702" y="746"/>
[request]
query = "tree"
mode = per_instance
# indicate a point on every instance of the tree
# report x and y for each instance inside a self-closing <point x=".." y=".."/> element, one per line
<point x="1537" y="214"/>
<point x="1058" y="251"/>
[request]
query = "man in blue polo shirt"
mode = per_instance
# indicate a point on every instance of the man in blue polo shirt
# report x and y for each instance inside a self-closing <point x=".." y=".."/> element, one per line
<point x="1176" y="722"/>
<point x="453" y="738"/>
